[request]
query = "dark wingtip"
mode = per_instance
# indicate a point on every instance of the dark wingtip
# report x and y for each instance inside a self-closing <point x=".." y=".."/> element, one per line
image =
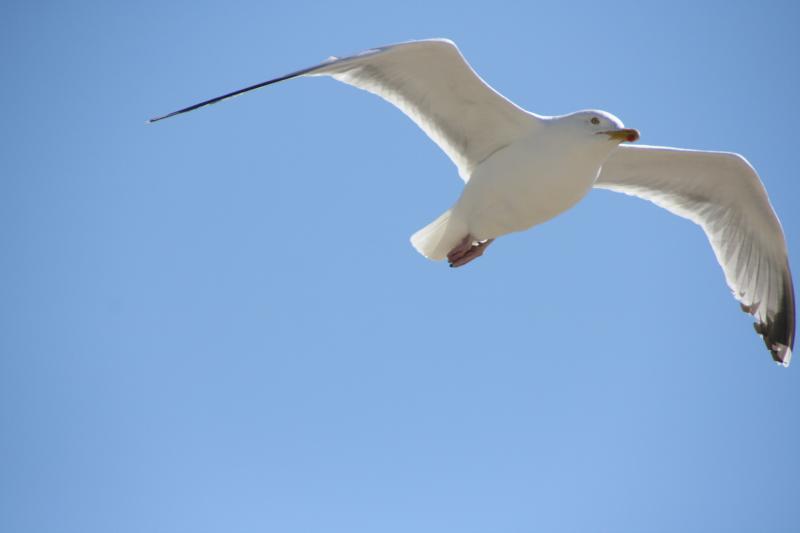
<point x="156" y="119"/>
<point x="238" y="92"/>
<point x="781" y="354"/>
<point x="195" y="106"/>
<point x="778" y="331"/>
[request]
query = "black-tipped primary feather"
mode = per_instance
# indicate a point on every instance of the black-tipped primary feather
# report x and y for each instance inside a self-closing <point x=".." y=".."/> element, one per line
<point x="723" y="194"/>
<point x="237" y="93"/>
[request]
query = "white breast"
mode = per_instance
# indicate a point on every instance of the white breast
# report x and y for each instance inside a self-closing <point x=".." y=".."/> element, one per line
<point x="525" y="184"/>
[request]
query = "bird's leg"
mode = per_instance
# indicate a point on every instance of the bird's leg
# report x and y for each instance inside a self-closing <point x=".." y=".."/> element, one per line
<point x="462" y="248"/>
<point x="467" y="250"/>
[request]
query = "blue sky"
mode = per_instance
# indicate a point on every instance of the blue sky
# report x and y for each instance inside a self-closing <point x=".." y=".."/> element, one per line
<point x="216" y="323"/>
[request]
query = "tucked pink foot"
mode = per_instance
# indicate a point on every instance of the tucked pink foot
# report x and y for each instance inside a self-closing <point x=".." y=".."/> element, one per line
<point x="467" y="250"/>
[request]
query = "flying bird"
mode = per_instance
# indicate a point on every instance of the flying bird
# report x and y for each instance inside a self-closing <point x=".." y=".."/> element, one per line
<point x="521" y="169"/>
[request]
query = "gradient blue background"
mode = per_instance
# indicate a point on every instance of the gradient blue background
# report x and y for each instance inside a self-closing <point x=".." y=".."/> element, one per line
<point x="216" y="323"/>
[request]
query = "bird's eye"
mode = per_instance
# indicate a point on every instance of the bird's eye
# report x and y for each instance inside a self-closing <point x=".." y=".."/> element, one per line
<point x="595" y="120"/>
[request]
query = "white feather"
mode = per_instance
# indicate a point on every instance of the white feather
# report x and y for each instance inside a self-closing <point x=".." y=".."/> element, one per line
<point x="432" y="83"/>
<point x="723" y="194"/>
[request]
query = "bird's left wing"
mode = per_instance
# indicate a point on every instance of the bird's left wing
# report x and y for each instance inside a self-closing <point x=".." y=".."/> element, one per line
<point x="724" y="195"/>
<point x="431" y="82"/>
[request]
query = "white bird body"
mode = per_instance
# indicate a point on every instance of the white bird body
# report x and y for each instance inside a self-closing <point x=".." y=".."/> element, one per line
<point x="521" y="169"/>
<point x="532" y="180"/>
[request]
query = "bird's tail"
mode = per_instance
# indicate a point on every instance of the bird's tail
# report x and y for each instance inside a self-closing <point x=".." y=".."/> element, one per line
<point x="439" y="237"/>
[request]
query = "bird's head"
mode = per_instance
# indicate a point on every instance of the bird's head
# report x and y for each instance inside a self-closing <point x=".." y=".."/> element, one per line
<point x="601" y="125"/>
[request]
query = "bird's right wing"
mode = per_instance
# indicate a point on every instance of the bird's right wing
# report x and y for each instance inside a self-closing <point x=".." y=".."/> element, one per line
<point x="724" y="195"/>
<point x="431" y="82"/>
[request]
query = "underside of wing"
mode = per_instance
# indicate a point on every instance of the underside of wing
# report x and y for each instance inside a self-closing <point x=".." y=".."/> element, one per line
<point x="431" y="82"/>
<point x="724" y="195"/>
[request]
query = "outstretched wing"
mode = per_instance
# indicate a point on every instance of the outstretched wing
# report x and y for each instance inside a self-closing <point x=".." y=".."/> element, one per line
<point x="724" y="195"/>
<point x="431" y="82"/>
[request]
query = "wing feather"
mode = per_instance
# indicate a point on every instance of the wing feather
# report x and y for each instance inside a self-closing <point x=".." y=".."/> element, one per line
<point x="723" y="194"/>
<point x="432" y="83"/>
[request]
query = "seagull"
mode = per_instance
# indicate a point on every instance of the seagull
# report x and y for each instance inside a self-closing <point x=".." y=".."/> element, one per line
<point x="521" y="169"/>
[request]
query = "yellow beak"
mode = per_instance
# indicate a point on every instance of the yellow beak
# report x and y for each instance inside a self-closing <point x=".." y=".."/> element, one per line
<point x="622" y="135"/>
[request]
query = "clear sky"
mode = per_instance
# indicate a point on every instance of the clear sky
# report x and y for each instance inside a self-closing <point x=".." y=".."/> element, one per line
<point x="217" y="323"/>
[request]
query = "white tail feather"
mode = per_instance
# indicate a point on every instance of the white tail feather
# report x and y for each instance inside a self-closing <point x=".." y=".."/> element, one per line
<point x="439" y="237"/>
